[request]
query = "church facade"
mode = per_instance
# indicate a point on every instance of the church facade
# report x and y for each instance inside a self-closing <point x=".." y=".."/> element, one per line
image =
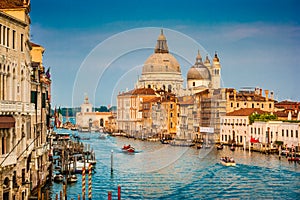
<point x="162" y="72"/>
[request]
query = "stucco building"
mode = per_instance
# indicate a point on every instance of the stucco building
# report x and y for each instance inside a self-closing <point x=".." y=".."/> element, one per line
<point x="88" y="120"/>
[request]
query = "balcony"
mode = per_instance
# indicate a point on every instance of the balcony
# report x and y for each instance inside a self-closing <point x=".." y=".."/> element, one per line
<point x="16" y="107"/>
<point x="10" y="160"/>
<point x="41" y="150"/>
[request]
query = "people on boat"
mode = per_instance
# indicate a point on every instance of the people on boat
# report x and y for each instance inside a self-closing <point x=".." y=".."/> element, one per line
<point x="227" y="159"/>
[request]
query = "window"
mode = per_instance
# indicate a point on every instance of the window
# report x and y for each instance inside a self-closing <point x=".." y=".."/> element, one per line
<point x="287" y="133"/>
<point x="296" y="133"/>
<point x="237" y="104"/>
<point x="262" y="105"/>
<point x="194" y="84"/>
<point x="231" y="105"/>
<point x="251" y="130"/>
<point x="241" y="139"/>
<point x="225" y="137"/>
<point x="0" y="34"/>
<point x="23" y="176"/>
<point x="7" y="37"/>
<point x="282" y="133"/>
<point x="3" y="145"/>
<point x="171" y="106"/>
<point x="270" y="105"/>
<point x="14" y="39"/>
<point x="171" y="125"/>
<point x="252" y="105"/>
<point x="292" y="133"/>
<point x="21" y="43"/>
<point x="171" y="114"/>
<point x="3" y="39"/>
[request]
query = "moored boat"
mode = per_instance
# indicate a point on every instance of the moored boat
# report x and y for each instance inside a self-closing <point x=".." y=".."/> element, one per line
<point x="72" y="178"/>
<point x="220" y="147"/>
<point x="182" y="143"/>
<point x="226" y="161"/>
<point x="293" y="159"/>
<point x="58" y="178"/>
<point x="232" y="148"/>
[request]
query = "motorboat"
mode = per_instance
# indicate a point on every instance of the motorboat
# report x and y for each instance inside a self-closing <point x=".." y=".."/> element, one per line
<point x="103" y="136"/>
<point x="226" y="161"/>
<point x="131" y="150"/>
<point x="125" y="147"/>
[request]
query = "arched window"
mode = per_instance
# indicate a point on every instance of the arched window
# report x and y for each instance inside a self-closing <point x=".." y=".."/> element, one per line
<point x="169" y="88"/>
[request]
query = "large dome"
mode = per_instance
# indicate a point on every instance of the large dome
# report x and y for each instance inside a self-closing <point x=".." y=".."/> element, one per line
<point x="161" y="62"/>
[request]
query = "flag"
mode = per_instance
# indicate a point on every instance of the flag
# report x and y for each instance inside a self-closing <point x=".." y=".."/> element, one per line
<point x="48" y="75"/>
<point x="253" y="140"/>
<point x="59" y="118"/>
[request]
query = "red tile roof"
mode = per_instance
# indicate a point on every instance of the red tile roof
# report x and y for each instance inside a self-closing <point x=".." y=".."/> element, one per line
<point x="139" y="91"/>
<point x="245" y="112"/>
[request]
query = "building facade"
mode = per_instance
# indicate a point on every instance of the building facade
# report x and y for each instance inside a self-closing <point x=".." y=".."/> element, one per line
<point x="87" y="120"/>
<point x="24" y="105"/>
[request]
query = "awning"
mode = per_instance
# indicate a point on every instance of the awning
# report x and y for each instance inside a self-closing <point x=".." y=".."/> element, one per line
<point x="7" y="121"/>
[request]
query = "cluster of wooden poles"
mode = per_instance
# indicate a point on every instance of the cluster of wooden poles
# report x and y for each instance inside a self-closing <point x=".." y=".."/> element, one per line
<point x="63" y="193"/>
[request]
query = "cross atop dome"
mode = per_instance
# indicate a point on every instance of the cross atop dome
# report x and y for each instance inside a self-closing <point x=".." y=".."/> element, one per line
<point x="161" y="45"/>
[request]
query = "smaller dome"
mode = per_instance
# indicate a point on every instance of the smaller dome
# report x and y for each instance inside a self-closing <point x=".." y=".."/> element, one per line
<point x="198" y="73"/>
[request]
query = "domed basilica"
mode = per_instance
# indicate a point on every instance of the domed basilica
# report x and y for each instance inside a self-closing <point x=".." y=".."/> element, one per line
<point x="161" y="71"/>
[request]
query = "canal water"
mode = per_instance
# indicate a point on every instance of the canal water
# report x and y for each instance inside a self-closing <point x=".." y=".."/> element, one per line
<point x="159" y="171"/>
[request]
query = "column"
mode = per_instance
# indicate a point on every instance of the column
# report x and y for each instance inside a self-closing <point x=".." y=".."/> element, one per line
<point x="1" y="86"/>
<point x="4" y="86"/>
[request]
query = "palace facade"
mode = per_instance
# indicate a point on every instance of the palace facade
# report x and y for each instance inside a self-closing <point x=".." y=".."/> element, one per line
<point x="25" y="97"/>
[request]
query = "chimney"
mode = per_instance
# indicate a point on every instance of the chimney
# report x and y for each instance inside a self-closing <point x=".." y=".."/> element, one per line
<point x="227" y="95"/>
<point x="260" y="92"/>
<point x="267" y="95"/>
<point x="234" y="95"/>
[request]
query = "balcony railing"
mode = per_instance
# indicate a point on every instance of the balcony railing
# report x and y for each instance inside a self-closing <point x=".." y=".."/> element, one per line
<point x="13" y="107"/>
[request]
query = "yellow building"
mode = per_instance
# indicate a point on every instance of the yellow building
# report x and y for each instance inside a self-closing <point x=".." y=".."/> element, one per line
<point x="129" y="113"/>
<point x="249" y="98"/>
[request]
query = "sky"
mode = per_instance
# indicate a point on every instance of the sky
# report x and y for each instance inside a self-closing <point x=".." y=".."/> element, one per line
<point x="97" y="48"/>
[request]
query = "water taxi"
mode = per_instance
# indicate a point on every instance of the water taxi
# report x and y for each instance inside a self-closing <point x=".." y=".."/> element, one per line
<point x="226" y="161"/>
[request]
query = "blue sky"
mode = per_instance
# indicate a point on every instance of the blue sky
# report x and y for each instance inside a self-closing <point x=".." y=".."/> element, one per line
<point x="258" y="42"/>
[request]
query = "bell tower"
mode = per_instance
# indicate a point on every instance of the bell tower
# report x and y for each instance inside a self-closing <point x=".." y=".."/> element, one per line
<point x="216" y="72"/>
